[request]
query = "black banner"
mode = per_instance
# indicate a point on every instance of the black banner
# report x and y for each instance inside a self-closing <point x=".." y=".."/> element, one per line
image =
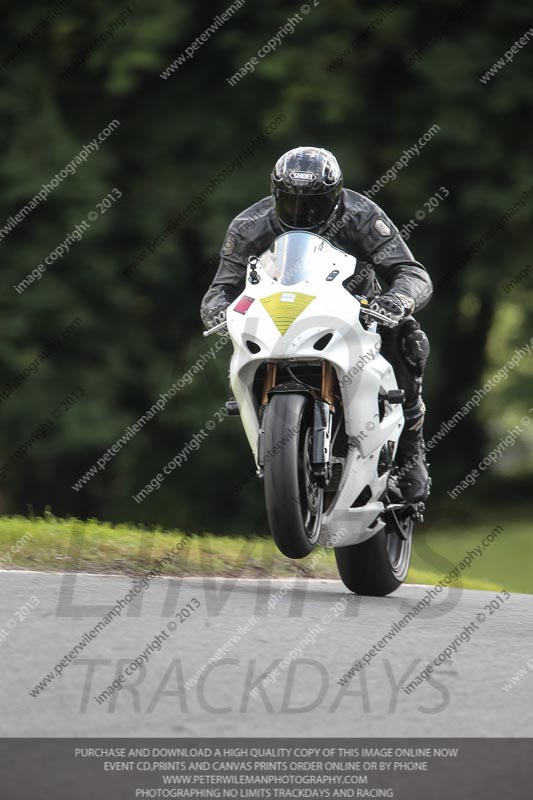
<point x="120" y="769"/>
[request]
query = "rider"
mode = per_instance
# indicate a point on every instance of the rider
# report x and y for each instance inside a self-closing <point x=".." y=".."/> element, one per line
<point x="307" y="194"/>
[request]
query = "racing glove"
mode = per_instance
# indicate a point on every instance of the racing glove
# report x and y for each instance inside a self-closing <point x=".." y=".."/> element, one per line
<point x="215" y="313"/>
<point x="394" y="305"/>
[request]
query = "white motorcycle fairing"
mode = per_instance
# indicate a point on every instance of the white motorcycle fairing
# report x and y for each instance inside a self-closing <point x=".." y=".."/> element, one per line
<point x="293" y="299"/>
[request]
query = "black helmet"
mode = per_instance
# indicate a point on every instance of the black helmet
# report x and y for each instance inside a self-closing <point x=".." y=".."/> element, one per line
<point x="306" y="187"/>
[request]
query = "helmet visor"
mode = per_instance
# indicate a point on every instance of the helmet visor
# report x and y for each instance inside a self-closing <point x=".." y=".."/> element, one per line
<point x="304" y="211"/>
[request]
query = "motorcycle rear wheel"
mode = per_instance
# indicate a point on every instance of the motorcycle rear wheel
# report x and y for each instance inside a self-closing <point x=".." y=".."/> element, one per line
<point x="378" y="566"/>
<point x="293" y="499"/>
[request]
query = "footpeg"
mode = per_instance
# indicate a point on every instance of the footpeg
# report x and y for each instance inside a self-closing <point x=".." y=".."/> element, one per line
<point x="232" y="407"/>
<point x="394" y="396"/>
<point x="418" y="512"/>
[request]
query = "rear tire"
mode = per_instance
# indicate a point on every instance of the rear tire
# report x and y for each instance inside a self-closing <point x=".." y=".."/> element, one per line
<point x="378" y="566"/>
<point x="293" y="499"/>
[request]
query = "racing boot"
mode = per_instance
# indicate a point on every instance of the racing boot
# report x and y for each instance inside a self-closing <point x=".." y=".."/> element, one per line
<point x="413" y="480"/>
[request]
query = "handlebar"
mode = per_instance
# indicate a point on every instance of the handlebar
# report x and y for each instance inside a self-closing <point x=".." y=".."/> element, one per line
<point x="364" y="310"/>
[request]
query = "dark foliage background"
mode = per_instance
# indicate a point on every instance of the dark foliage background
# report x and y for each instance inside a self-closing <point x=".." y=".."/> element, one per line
<point x="80" y="69"/>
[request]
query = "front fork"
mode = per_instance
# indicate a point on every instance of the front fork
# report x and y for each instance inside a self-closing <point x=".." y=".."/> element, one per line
<point x="323" y="409"/>
<point x="268" y="384"/>
<point x="322" y="426"/>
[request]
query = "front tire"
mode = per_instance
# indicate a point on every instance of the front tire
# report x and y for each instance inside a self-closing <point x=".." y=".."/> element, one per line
<point x="378" y="566"/>
<point x="294" y="501"/>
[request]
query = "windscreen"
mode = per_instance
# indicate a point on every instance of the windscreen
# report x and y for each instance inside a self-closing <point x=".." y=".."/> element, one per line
<point x="298" y="256"/>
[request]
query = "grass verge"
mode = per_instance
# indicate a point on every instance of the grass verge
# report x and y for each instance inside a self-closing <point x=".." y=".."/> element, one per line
<point x="54" y="544"/>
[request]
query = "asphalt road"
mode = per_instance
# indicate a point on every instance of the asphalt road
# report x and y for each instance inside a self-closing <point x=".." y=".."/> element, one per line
<point x="463" y="696"/>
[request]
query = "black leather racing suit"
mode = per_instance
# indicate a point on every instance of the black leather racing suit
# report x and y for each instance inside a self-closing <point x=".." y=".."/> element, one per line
<point x="360" y="228"/>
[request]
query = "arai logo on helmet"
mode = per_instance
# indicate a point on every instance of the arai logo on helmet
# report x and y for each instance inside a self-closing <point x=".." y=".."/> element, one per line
<point x="303" y="176"/>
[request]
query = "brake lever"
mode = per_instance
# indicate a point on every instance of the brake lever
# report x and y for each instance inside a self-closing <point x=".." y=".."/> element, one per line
<point x="374" y="314"/>
<point x="379" y="317"/>
<point x="216" y="328"/>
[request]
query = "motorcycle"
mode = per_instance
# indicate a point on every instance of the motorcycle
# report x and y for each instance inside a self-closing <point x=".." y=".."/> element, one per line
<point x="322" y="412"/>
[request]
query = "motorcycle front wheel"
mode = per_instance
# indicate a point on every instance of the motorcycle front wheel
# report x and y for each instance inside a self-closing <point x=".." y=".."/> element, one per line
<point x="293" y="499"/>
